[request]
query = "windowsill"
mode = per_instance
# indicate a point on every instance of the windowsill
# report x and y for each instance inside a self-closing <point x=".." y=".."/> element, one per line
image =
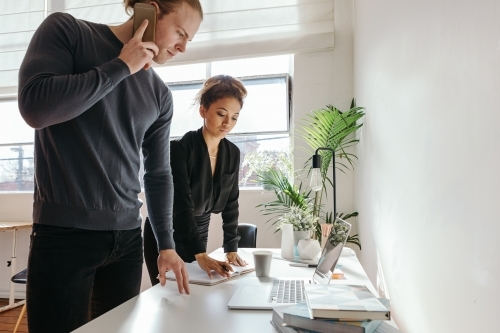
<point x="15" y="192"/>
<point x="252" y="189"/>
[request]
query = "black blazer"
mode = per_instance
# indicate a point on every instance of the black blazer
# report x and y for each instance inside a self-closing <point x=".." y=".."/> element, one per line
<point x="197" y="194"/>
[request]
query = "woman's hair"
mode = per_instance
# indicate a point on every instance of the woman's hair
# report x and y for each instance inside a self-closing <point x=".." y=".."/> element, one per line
<point x="166" y="6"/>
<point x="220" y="86"/>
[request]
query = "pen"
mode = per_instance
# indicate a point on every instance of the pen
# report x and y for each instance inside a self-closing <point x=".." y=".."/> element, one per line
<point x="299" y="264"/>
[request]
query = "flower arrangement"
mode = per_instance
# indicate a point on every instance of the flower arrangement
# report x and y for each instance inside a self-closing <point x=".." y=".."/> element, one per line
<point x="302" y="220"/>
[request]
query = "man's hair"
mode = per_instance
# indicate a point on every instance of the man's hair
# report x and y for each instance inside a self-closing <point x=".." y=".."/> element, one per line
<point x="166" y="6"/>
<point x="220" y="86"/>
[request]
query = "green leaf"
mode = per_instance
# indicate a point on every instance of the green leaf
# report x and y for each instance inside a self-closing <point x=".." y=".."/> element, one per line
<point x="287" y="194"/>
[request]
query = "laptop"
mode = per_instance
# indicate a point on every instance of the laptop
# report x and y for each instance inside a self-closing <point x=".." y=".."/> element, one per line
<point x="281" y="291"/>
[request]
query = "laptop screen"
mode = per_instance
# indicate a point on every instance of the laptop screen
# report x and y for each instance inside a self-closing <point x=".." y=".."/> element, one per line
<point x="331" y="252"/>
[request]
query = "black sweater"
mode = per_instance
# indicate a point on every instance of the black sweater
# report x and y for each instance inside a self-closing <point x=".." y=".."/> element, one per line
<point x="92" y="117"/>
<point x="197" y="194"/>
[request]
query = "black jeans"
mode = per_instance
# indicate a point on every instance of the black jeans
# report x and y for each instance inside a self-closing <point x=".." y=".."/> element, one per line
<point x="76" y="275"/>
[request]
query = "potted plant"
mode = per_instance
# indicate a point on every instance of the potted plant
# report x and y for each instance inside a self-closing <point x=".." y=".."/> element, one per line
<point x="328" y="127"/>
<point x="287" y="194"/>
<point x="303" y="222"/>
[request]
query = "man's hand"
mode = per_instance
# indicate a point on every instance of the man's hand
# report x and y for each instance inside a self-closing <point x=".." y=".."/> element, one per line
<point x="138" y="54"/>
<point x="208" y="265"/>
<point x="170" y="260"/>
<point x="235" y="259"/>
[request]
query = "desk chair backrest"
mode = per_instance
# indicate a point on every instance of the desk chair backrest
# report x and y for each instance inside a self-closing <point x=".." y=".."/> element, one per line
<point x="248" y="234"/>
<point x="20" y="277"/>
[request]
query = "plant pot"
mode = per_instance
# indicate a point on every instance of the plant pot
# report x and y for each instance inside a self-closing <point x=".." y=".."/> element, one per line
<point x="308" y="249"/>
<point x="297" y="236"/>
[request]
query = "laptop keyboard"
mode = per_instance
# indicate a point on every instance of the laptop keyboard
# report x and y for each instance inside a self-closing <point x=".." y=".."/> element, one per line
<point x="287" y="291"/>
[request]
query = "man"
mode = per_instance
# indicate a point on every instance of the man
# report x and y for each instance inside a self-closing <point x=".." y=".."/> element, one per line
<point x="87" y="91"/>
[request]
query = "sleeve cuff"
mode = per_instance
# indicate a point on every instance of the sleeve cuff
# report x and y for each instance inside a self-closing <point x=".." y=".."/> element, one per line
<point x="198" y="247"/>
<point x="231" y="246"/>
<point x="116" y="69"/>
<point x="165" y="241"/>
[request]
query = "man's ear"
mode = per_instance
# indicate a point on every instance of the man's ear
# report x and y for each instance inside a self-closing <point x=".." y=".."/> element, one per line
<point x="203" y="112"/>
<point x="153" y="3"/>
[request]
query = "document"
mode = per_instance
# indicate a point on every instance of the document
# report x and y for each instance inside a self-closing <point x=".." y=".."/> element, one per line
<point x="199" y="276"/>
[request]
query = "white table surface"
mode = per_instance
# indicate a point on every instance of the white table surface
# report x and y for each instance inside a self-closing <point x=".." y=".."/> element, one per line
<point x="163" y="309"/>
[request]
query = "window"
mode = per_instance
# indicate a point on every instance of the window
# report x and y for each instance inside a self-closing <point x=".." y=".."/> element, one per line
<point x="262" y="133"/>
<point x="16" y="149"/>
<point x="265" y="109"/>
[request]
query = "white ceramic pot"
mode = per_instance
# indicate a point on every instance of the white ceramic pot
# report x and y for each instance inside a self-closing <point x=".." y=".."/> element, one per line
<point x="308" y="249"/>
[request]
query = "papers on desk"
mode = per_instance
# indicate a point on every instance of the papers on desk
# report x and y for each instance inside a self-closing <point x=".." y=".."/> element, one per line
<point x="199" y="276"/>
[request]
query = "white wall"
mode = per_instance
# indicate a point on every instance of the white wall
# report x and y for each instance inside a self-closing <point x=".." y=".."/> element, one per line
<point x="428" y="184"/>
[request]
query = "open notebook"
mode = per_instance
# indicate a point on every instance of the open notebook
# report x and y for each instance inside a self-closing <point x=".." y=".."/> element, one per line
<point x="199" y="276"/>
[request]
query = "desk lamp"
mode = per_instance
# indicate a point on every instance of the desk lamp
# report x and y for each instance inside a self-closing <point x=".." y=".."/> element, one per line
<point x="316" y="180"/>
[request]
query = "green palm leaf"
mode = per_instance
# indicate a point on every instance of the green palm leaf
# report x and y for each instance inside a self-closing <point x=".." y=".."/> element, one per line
<point x="287" y="194"/>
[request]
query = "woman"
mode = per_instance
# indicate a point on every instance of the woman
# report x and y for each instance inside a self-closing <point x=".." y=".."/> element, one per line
<point x="205" y="169"/>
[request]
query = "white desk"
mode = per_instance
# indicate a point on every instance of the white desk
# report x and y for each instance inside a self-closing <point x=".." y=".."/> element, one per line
<point x="205" y="309"/>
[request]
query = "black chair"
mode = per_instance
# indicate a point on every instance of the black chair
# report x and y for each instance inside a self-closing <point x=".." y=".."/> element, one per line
<point x="248" y="234"/>
<point x="20" y="278"/>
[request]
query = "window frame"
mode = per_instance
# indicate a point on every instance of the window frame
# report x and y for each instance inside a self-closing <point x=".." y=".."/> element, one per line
<point x="198" y="84"/>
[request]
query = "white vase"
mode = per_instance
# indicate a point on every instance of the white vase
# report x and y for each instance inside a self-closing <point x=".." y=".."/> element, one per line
<point x="287" y="241"/>
<point x="297" y="236"/>
<point x="308" y="249"/>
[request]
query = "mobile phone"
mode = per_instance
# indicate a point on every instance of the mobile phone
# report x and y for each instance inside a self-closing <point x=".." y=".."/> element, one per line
<point x="142" y="12"/>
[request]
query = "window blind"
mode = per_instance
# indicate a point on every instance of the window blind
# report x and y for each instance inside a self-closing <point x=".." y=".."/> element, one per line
<point x="230" y="29"/>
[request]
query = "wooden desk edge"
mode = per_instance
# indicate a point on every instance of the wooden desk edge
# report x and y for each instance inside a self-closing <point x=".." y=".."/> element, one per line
<point x="5" y="226"/>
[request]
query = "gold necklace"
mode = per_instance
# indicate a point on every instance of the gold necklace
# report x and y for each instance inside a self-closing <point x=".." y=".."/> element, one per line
<point x="212" y="156"/>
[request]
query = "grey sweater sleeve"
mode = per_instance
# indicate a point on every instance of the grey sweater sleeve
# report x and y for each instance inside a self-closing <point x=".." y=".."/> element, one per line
<point x="49" y="90"/>
<point x="158" y="182"/>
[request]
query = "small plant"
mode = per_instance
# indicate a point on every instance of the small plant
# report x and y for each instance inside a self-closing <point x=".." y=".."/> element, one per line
<point x="302" y="220"/>
<point x="287" y="194"/>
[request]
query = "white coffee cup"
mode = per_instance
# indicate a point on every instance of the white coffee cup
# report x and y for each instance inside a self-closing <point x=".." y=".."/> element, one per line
<point x="262" y="262"/>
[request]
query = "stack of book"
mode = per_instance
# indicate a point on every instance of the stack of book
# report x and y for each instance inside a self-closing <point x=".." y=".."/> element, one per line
<point x="334" y="308"/>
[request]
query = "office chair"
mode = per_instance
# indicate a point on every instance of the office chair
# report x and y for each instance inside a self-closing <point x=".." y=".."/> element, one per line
<point x="20" y="278"/>
<point x="248" y="234"/>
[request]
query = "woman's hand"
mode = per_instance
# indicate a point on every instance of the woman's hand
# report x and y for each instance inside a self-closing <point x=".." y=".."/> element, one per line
<point x="208" y="265"/>
<point x="235" y="259"/>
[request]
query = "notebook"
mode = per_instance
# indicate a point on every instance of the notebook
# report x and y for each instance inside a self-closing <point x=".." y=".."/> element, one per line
<point x="271" y="292"/>
<point x="199" y="276"/>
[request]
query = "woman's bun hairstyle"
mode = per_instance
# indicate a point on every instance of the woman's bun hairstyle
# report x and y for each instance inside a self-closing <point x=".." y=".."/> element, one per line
<point x="220" y="86"/>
